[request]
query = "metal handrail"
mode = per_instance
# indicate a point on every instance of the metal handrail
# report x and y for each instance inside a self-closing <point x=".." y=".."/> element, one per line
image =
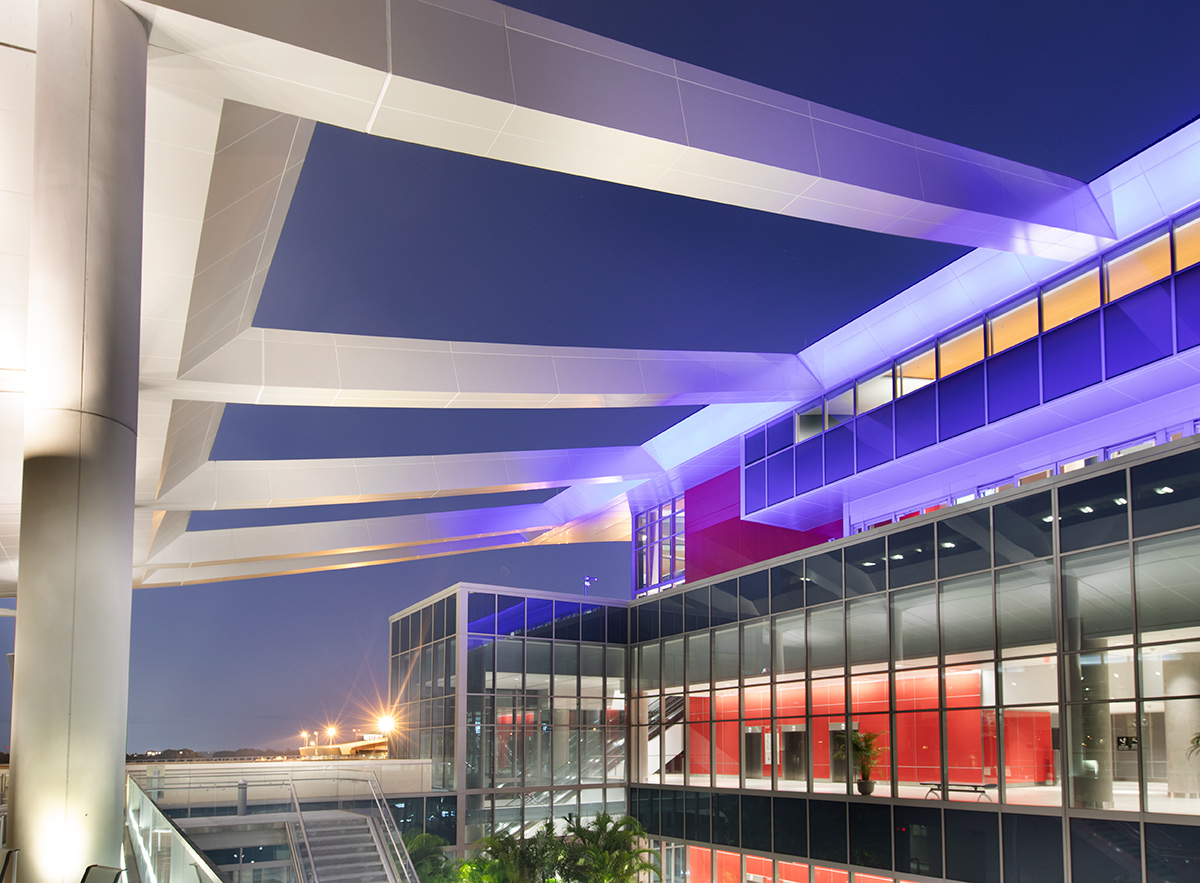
<point x="403" y="859"/>
<point x="312" y="865"/>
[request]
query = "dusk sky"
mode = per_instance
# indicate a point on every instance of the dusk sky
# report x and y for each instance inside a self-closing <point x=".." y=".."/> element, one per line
<point x="390" y="238"/>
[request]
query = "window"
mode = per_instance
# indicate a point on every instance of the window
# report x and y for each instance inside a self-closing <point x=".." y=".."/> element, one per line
<point x="875" y="390"/>
<point x="1012" y="326"/>
<point x="1144" y="263"/>
<point x="1187" y="242"/>
<point x="963" y="349"/>
<point x="1071" y="299"/>
<point x="916" y="371"/>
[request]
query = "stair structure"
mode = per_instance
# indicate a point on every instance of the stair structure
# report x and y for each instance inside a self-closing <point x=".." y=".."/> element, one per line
<point x="345" y="850"/>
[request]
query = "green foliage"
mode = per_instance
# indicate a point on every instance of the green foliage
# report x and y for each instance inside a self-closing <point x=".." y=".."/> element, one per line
<point x="428" y="854"/>
<point x="866" y="751"/>
<point x="606" y="851"/>
<point x="503" y="858"/>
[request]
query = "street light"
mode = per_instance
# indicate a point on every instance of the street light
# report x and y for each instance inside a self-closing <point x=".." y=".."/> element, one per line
<point x="304" y="736"/>
<point x="386" y="724"/>
<point x="331" y="732"/>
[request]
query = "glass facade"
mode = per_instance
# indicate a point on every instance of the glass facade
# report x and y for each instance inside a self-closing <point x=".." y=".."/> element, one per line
<point x="1138" y="304"/>
<point x="658" y="547"/>
<point x="534" y="726"/>
<point x="1012" y="672"/>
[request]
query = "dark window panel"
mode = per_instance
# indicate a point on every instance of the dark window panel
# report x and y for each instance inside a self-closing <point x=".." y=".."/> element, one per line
<point x="756" y="446"/>
<point x="791" y="820"/>
<point x="1093" y="512"/>
<point x="973" y="846"/>
<point x="966" y="615"/>
<point x="756" y="822"/>
<point x="871" y="835"/>
<point x="1033" y="849"/>
<point x="618" y="625"/>
<point x="1166" y="494"/>
<point x="426" y="625"/>
<point x="725" y="814"/>
<point x="539" y="618"/>
<point x="964" y="543"/>
<point x="406" y="633"/>
<point x="510" y="615"/>
<point x="645" y="621"/>
<point x="916" y="420"/>
<point x="1023" y="529"/>
<point x="827" y="830"/>
<point x="960" y="402"/>
<point x="824" y="573"/>
<point x="810" y="464"/>
<point x="755" y="478"/>
<point x="1013" y="381"/>
<point x="724" y="602"/>
<point x="439" y="620"/>
<point x="787" y="587"/>
<point x="910" y="556"/>
<point x="875" y="437"/>
<point x="671" y="806"/>
<point x="1105" y="851"/>
<point x="866" y="567"/>
<point x="452" y="615"/>
<point x="697" y="817"/>
<point x="839" y="453"/>
<point x="395" y="632"/>
<point x="754" y="595"/>
<point x="780" y="434"/>
<point x="566" y="620"/>
<point x="440" y="818"/>
<point x="591" y="624"/>
<point x="695" y="609"/>
<point x="1172" y="852"/>
<point x="1137" y="329"/>
<point x="1071" y="357"/>
<point x="670" y="613"/>
<point x="918" y="833"/>
<point x="781" y="484"/>
<point x="650" y="806"/>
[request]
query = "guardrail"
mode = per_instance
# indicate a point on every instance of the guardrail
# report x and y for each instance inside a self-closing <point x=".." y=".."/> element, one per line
<point x="163" y="853"/>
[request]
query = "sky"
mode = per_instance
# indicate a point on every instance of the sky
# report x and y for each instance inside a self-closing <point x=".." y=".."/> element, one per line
<point x="398" y="239"/>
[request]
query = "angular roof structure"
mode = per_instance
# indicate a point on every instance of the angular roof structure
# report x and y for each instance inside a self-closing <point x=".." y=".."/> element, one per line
<point x="234" y="93"/>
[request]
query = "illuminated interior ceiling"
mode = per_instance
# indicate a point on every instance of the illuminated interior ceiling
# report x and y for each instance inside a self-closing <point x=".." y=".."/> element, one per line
<point x="234" y="93"/>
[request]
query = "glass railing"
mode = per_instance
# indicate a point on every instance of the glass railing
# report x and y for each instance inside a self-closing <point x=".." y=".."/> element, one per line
<point x="162" y="852"/>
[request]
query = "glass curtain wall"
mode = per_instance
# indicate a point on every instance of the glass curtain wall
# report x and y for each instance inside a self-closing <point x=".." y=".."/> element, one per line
<point x="1040" y="651"/>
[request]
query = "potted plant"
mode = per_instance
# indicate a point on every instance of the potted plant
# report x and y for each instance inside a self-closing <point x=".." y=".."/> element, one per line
<point x="867" y="750"/>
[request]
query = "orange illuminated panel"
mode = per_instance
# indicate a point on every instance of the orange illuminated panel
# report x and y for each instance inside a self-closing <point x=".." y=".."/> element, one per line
<point x="830" y="875"/>
<point x="1070" y="300"/>
<point x="699" y="863"/>
<point x="956" y="353"/>
<point x="1136" y="269"/>
<point x="915" y="372"/>
<point x="872" y="878"/>
<point x="758" y="869"/>
<point x="729" y="867"/>
<point x="1187" y="244"/>
<point x="793" y="872"/>
<point x="1015" y="325"/>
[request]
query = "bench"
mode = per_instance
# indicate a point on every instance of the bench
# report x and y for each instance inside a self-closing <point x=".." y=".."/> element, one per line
<point x="937" y="789"/>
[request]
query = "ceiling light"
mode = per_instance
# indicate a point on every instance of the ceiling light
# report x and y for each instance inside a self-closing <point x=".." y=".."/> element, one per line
<point x="1120" y="501"/>
<point x="1164" y="490"/>
<point x="947" y="545"/>
<point x="1086" y="510"/>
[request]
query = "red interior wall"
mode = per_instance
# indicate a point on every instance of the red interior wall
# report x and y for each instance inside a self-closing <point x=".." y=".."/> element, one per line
<point x="718" y="540"/>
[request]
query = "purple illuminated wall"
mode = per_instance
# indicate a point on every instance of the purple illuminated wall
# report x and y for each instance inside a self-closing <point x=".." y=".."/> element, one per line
<point x="718" y="540"/>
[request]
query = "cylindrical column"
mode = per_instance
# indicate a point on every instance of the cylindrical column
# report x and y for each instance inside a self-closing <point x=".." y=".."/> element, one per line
<point x="71" y="673"/>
